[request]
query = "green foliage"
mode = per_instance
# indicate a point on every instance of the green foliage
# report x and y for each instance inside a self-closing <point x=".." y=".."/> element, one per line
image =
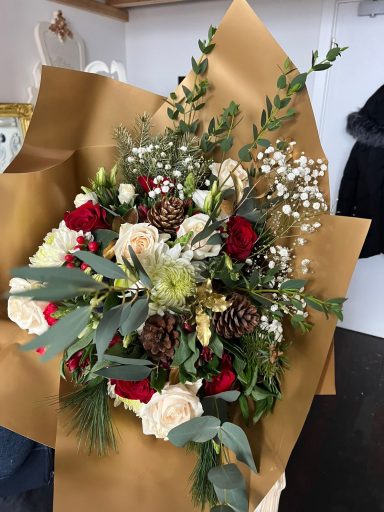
<point x="91" y="417"/>
<point x="202" y="490"/>
<point x="101" y="265"/>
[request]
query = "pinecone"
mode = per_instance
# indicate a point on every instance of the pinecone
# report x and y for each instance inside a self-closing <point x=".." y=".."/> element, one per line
<point x="167" y="214"/>
<point x="160" y="338"/>
<point x="239" y="319"/>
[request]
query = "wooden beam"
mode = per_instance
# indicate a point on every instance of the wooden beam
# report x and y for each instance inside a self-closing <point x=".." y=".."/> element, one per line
<point x="138" y="3"/>
<point x="96" y="7"/>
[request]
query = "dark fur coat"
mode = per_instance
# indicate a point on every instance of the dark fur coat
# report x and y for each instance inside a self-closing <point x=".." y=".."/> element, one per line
<point x="362" y="187"/>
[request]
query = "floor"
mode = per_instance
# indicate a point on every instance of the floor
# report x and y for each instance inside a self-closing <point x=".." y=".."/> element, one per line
<point x="338" y="462"/>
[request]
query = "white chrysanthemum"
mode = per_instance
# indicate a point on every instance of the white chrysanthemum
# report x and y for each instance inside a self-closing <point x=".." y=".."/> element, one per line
<point x="172" y="275"/>
<point x="25" y="312"/>
<point x="59" y="242"/>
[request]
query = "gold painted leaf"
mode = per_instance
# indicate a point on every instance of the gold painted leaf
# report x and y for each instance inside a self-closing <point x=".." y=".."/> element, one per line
<point x="203" y="327"/>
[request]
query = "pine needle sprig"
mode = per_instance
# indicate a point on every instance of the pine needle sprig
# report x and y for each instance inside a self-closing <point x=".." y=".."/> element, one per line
<point x="141" y="132"/>
<point x="202" y="490"/>
<point x="91" y="417"/>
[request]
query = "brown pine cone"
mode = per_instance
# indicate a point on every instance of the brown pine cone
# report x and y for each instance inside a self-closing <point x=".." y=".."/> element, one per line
<point x="239" y="319"/>
<point x="160" y="338"/>
<point x="167" y="214"/>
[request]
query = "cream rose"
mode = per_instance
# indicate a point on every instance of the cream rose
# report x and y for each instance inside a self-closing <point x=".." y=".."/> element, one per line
<point x="142" y="237"/>
<point x="196" y="224"/>
<point x="126" y="193"/>
<point x="81" y="199"/>
<point x="223" y="172"/>
<point x="175" y="405"/>
<point x="26" y="313"/>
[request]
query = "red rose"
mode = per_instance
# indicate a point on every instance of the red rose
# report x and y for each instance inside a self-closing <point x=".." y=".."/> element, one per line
<point x="223" y="381"/>
<point x="143" y="210"/>
<point x="74" y="363"/>
<point x="140" y="390"/>
<point x="48" y="311"/>
<point x="241" y="238"/>
<point x="115" y="340"/>
<point x="146" y="183"/>
<point x="87" y="217"/>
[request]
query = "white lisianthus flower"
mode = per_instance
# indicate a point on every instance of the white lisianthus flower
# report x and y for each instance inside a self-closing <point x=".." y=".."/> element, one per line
<point x="59" y="242"/>
<point x="81" y="199"/>
<point x="175" y="405"/>
<point x="223" y="172"/>
<point x="25" y="312"/>
<point x="196" y="224"/>
<point x="126" y="193"/>
<point x="142" y="237"/>
<point x="199" y="197"/>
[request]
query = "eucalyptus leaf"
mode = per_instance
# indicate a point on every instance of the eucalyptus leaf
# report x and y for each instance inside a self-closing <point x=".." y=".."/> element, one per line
<point x="125" y="372"/>
<point x="234" y="438"/>
<point x="222" y="508"/>
<point x="293" y="284"/>
<point x="62" y="334"/>
<point x="226" y="476"/>
<point x="101" y="265"/>
<point x="197" y="430"/>
<point x="128" y="360"/>
<point x="105" y="236"/>
<point x="134" y="316"/>
<point x="80" y="344"/>
<point x="237" y="499"/>
<point x="106" y="329"/>
<point x="53" y="293"/>
<point x="207" y="231"/>
<point x="144" y="278"/>
<point x="62" y="275"/>
<point x="227" y="396"/>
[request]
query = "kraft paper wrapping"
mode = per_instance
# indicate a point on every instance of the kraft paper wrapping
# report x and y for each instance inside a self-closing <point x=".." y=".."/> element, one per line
<point x="69" y="137"/>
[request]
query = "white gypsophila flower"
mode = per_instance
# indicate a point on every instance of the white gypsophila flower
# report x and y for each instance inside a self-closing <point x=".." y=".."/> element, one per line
<point x="175" y="405"/>
<point x="142" y="237"/>
<point x="226" y="170"/>
<point x="81" y="199"/>
<point x="126" y="193"/>
<point x="287" y="209"/>
<point x="59" y="242"/>
<point x="25" y="312"/>
<point x="195" y="225"/>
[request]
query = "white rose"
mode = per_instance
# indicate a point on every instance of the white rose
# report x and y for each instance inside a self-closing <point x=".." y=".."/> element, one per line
<point x="199" y="197"/>
<point x="175" y="405"/>
<point x="26" y="313"/>
<point x="81" y="199"/>
<point x="126" y="193"/>
<point x="223" y="172"/>
<point x="196" y="224"/>
<point x="142" y="237"/>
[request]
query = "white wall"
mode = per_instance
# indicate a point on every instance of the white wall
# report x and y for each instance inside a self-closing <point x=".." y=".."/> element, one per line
<point x="104" y="39"/>
<point x="161" y="39"/>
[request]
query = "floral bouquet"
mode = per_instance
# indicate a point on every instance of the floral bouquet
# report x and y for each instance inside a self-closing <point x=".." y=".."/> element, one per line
<point x="176" y="286"/>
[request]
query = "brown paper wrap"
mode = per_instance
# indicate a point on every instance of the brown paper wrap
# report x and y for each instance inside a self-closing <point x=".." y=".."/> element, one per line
<point x="69" y="137"/>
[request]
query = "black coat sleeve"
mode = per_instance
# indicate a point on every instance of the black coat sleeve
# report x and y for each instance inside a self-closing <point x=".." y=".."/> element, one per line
<point x="346" y="202"/>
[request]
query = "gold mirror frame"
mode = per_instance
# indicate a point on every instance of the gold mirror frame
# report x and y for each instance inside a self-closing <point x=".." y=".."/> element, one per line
<point x="21" y="111"/>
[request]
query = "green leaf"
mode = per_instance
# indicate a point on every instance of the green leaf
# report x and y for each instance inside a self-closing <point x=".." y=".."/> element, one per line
<point x="244" y="153"/>
<point x="260" y="393"/>
<point x="207" y="231"/>
<point x="222" y="508"/>
<point x="203" y="67"/>
<point x="269" y="105"/>
<point x="159" y="378"/>
<point x="277" y="101"/>
<point x="234" y="438"/>
<point x="197" y="430"/>
<point x="293" y="284"/>
<point x="227" y="396"/>
<point x="255" y="132"/>
<point x="226" y="144"/>
<point x="106" y="329"/>
<point x="227" y="476"/>
<point x="183" y="352"/>
<point x="125" y="372"/>
<point x="244" y="407"/>
<point x="105" y="236"/>
<point x="284" y="102"/>
<point x="101" y="265"/>
<point x="62" y="334"/>
<point x="128" y="360"/>
<point x="144" y="278"/>
<point x="216" y="345"/>
<point x="237" y="499"/>
<point x="298" y="83"/>
<point x="322" y="67"/>
<point x="333" y="53"/>
<point x="62" y="275"/>
<point x="80" y="344"/>
<point x="264" y="142"/>
<point x="190" y="364"/>
<point x="195" y="66"/>
<point x="263" y="119"/>
<point x="208" y="49"/>
<point x="133" y="316"/>
<point x="53" y="293"/>
<point x="282" y="82"/>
